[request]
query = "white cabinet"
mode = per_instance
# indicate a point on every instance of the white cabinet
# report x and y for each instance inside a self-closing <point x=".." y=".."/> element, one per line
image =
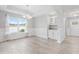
<point x="53" y="34"/>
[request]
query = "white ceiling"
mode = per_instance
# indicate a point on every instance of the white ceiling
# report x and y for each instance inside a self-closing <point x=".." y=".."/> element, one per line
<point x="36" y="10"/>
<point x="71" y="10"/>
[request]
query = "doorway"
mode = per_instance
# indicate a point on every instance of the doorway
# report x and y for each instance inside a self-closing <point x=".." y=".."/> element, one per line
<point x="72" y="26"/>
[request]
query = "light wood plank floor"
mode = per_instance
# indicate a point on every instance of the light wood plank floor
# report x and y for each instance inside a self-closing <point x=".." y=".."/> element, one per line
<point x="35" y="45"/>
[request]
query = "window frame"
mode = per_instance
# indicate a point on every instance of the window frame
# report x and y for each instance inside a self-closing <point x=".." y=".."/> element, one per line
<point x="18" y="25"/>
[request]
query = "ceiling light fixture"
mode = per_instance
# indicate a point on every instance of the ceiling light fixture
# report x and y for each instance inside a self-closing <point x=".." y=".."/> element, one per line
<point x="29" y="17"/>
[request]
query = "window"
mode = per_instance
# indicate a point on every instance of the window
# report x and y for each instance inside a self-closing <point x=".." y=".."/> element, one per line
<point x="22" y="25"/>
<point x="16" y="24"/>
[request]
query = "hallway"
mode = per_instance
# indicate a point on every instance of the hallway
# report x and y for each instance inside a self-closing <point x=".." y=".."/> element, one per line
<point x="36" y="45"/>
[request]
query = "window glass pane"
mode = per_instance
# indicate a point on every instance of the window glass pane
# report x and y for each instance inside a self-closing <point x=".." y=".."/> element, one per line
<point x="13" y="29"/>
<point x="22" y="21"/>
<point x="22" y="25"/>
<point x="12" y="24"/>
<point x="12" y="20"/>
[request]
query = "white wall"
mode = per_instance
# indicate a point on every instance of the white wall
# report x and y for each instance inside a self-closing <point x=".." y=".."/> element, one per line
<point x="61" y="28"/>
<point x="2" y="25"/>
<point x="31" y="27"/>
<point x="41" y="26"/>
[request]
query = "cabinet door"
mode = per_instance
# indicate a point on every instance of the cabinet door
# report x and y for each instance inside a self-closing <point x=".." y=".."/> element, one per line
<point x="52" y="34"/>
